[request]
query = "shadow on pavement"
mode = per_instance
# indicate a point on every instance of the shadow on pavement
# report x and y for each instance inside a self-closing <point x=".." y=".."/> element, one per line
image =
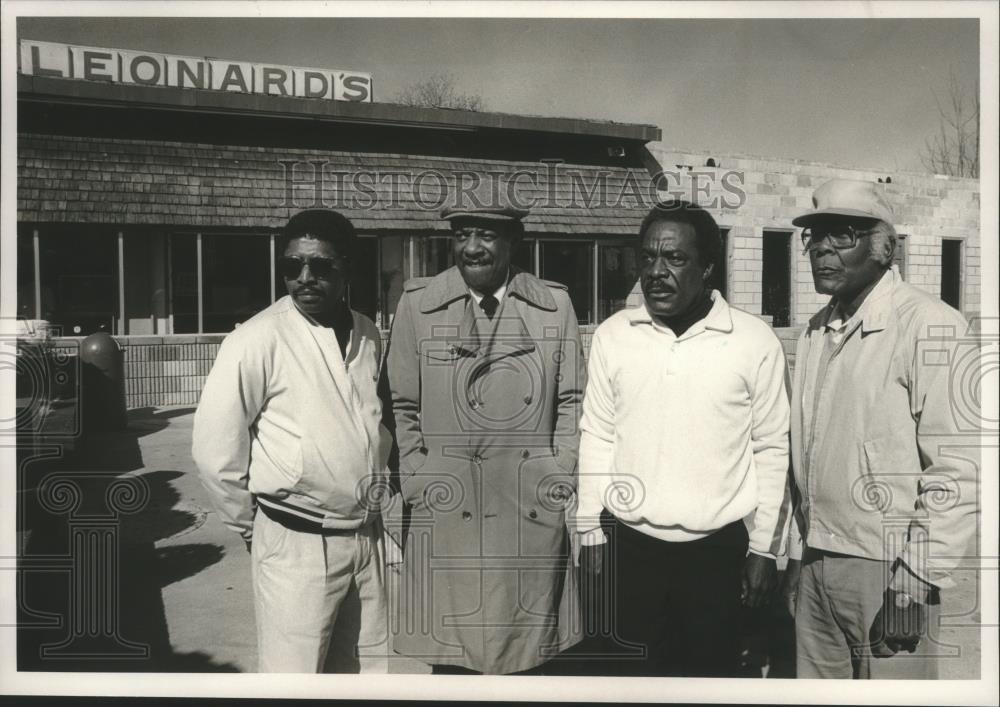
<point x="91" y="576"/>
<point x="147" y="420"/>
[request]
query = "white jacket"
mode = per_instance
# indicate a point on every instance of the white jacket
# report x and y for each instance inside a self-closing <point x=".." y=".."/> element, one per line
<point x="283" y="417"/>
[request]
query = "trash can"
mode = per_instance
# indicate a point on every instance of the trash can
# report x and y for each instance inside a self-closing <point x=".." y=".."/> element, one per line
<point x="102" y="390"/>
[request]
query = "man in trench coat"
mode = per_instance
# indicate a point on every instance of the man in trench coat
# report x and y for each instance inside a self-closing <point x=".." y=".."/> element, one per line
<point x="486" y="374"/>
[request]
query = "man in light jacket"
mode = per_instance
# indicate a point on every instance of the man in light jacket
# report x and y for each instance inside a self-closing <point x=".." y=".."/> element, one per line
<point x="289" y="443"/>
<point x="884" y="463"/>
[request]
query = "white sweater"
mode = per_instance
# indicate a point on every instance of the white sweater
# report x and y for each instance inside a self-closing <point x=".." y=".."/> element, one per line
<point x="284" y="417"/>
<point x="683" y="435"/>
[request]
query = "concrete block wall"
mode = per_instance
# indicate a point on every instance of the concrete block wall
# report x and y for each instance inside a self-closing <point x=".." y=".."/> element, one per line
<point x="928" y="208"/>
<point x="167" y="370"/>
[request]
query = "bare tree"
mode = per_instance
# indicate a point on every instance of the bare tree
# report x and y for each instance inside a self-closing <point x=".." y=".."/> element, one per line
<point x="439" y="91"/>
<point x="954" y="150"/>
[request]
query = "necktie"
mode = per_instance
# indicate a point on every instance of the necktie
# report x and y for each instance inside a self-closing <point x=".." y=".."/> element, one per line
<point x="489" y="305"/>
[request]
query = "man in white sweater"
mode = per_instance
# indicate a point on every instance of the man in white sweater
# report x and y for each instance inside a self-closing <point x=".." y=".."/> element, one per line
<point x="289" y="442"/>
<point x="683" y="459"/>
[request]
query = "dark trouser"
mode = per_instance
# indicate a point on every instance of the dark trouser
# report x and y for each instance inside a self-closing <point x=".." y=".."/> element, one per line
<point x="676" y="605"/>
<point x="438" y="669"/>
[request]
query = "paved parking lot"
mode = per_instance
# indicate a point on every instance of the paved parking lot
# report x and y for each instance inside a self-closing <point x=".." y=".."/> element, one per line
<point x="184" y="589"/>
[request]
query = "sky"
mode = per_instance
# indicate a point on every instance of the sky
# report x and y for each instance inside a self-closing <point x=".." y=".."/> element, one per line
<point x="857" y="93"/>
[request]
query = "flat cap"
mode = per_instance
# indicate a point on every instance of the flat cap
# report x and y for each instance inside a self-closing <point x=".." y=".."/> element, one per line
<point x="490" y="213"/>
<point x="847" y="197"/>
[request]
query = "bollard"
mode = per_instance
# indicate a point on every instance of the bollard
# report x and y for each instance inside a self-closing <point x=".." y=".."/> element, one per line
<point x="102" y="390"/>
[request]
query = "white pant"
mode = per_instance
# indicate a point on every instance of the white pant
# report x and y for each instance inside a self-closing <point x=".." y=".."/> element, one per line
<point x="319" y="600"/>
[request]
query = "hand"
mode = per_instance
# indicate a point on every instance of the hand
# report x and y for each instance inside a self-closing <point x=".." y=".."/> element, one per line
<point x="790" y="586"/>
<point x="899" y="624"/>
<point x="592" y="559"/>
<point x="393" y="551"/>
<point x="760" y="576"/>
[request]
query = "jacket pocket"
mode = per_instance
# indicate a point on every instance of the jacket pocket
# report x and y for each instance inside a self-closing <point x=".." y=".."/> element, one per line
<point x="545" y="497"/>
<point x="278" y="454"/>
<point x="412" y="462"/>
<point x="440" y="353"/>
<point x="889" y="477"/>
<point x="546" y="491"/>
<point x="439" y="484"/>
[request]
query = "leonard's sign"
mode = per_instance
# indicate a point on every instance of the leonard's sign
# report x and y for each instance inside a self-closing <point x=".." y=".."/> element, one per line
<point x="151" y="69"/>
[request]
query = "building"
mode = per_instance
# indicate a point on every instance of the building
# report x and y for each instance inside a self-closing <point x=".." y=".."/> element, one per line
<point x="150" y="211"/>
<point x="767" y="271"/>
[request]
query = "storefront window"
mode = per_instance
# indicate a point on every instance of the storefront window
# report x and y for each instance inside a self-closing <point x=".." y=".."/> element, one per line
<point x="25" y="274"/>
<point x="572" y="265"/>
<point x="524" y="256"/>
<point x="364" y="291"/>
<point x="79" y="277"/>
<point x="433" y="255"/>
<point x="617" y="274"/>
<point x="393" y="272"/>
<point x="236" y="278"/>
<point x="184" y="282"/>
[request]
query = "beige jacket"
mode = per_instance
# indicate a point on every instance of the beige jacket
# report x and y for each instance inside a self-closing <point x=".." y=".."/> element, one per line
<point x="885" y="441"/>
<point x="487" y="425"/>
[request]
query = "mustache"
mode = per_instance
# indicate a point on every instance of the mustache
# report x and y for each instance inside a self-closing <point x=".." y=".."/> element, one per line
<point x="660" y="285"/>
<point x="307" y="291"/>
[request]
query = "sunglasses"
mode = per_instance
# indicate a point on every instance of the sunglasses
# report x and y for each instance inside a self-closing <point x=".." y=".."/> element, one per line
<point x="291" y="266"/>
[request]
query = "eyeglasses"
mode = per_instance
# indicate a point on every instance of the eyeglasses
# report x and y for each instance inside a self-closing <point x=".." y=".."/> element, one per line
<point x="291" y="266"/>
<point x="840" y="237"/>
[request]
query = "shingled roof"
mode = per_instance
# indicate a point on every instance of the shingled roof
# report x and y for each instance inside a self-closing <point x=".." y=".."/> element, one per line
<point x="185" y="184"/>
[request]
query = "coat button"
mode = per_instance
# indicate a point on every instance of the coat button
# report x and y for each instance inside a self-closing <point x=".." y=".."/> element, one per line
<point x="525" y="454"/>
<point x="466" y="516"/>
<point x="477" y="459"/>
<point x="452" y="350"/>
<point x="473" y="404"/>
<point x="527" y="400"/>
<point x="533" y="514"/>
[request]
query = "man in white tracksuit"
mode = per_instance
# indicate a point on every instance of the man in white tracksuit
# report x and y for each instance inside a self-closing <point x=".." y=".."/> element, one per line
<point x="289" y="442"/>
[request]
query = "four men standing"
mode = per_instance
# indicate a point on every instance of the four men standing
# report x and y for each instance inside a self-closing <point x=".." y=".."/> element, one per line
<point x="685" y="496"/>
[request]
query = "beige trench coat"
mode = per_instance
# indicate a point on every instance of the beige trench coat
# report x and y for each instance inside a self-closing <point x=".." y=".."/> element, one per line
<point x="487" y="425"/>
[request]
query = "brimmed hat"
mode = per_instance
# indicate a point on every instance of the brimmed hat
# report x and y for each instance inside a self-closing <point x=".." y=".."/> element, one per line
<point x="847" y="197"/>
